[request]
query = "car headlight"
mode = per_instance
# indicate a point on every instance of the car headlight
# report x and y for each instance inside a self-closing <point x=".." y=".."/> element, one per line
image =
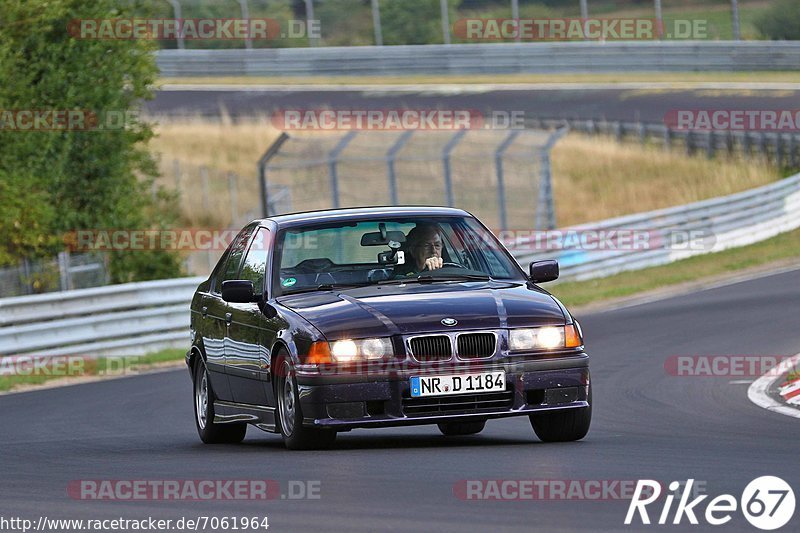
<point x="349" y="350"/>
<point x="544" y="338"/>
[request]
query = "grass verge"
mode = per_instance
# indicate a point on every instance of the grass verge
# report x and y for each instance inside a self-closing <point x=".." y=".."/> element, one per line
<point x="26" y="373"/>
<point x="782" y="247"/>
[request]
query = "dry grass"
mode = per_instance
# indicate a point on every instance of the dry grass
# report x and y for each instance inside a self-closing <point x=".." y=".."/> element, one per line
<point x="594" y="178"/>
<point x="597" y="178"/>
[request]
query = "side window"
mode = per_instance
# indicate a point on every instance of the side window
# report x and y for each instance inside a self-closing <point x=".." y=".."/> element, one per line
<point x="231" y="267"/>
<point x="255" y="263"/>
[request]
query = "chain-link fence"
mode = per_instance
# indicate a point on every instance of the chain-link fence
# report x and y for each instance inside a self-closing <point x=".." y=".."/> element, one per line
<point x="502" y="176"/>
<point x="65" y="272"/>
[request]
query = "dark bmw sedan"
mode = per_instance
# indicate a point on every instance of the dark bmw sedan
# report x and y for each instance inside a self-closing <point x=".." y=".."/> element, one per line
<point x="321" y="322"/>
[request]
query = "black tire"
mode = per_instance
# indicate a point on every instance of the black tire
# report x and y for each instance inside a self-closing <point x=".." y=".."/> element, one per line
<point x="289" y="417"/>
<point x="565" y="425"/>
<point x="211" y="433"/>
<point x="452" y="429"/>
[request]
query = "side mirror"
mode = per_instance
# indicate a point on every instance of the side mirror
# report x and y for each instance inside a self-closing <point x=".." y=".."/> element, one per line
<point x="543" y="271"/>
<point x="238" y="291"/>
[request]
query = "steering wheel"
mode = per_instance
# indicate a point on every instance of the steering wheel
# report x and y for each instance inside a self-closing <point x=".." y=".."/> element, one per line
<point x="313" y="266"/>
<point x="446" y="264"/>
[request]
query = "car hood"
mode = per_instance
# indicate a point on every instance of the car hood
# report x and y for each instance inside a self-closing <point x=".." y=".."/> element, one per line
<point x="381" y="310"/>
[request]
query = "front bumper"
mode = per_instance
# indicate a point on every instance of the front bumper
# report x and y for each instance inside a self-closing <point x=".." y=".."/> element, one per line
<point x="360" y="400"/>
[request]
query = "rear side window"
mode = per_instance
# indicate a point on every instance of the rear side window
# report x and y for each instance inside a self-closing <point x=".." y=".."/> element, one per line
<point x="255" y="263"/>
<point x="230" y="270"/>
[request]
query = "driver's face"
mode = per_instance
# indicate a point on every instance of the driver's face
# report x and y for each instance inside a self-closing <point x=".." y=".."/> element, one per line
<point x="430" y="246"/>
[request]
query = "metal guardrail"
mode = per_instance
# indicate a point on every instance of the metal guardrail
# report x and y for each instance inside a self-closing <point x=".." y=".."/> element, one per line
<point x="493" y="58"/>
<point x="782" y="148"/>
<point x="135" y="318"/>
<point x="719" y="223"/>
<point x="129" y="319"/>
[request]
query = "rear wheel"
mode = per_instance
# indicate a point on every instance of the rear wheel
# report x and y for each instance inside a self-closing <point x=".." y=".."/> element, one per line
<point x="209" y="432"/>
<point x="290" y="418"/>
<point x="452" y="429"/>
<point x="564" y="425"/>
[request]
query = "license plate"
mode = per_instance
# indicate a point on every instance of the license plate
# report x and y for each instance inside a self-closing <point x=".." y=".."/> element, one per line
<point x="458" y="384"/>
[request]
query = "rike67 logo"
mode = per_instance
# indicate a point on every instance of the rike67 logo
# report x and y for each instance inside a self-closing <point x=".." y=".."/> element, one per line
<point x="767" y="503"/>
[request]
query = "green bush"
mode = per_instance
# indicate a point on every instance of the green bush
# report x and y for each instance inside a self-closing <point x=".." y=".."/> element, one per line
<point x="781" y="21"/>
<point x="54" y="182"/>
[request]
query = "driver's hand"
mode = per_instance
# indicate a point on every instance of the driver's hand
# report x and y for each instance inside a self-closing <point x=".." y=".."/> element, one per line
<point x="433" y="263"/>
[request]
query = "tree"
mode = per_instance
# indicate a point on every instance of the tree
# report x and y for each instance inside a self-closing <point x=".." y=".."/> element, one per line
<point x="72" y="179"/>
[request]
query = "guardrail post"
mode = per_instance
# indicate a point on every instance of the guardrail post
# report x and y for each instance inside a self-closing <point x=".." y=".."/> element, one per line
<point x="545" y="210"/>
<point x="793" y="150"/>
<point x="376" y="23"/>
<point x="762" y="145"/>
<point x="667" y="138"/>
<point x="642" y="133"/>
<point x="689" y="143"/>
<point x="501" y="187"/>
<point x="262" y="171"/>
<point x="63" y="271"/>
<point x="176" y="9"/>
<point x="618" y="133"/>
<point x="248" y="42"/>
<point x="712" y="144"/>
<point x="313" y="41"/>
<point x="737" y="34"/>
<point x="445" y="21"/>
<point x="448" y="178"/>
<point x="391" y="157"/>
<point x="333" y="161"/>
<point x="779" y="150"/>
<point x="515" y="16"/>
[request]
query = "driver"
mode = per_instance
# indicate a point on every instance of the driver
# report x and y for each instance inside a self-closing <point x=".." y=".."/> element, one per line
<point x="423" y="250"/>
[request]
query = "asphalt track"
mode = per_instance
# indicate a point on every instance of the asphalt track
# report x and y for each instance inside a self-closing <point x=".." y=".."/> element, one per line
<point x="647" y="105"/>
<point x="647" y="424"/>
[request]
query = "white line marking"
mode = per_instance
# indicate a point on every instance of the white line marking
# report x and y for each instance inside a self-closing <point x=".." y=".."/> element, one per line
<point x="757" y="393"/>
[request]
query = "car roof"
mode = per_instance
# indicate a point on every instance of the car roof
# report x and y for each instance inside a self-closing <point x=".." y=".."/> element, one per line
<point x="361" y="213"/>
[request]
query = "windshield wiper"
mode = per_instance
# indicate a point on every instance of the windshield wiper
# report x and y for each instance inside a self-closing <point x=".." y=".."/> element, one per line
<point x="327" y="287"/>
<point x="428" y="278"/>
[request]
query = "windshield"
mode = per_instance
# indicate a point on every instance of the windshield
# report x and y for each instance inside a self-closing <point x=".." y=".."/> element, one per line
<point x="390" y="250"/>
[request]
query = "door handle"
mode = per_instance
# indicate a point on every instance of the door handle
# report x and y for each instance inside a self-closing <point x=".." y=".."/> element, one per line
<point x="204" y="311"/>
<point x="228" y="318"/>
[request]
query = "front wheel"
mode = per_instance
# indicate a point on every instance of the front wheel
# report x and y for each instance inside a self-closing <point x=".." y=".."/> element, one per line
<point x="564" y="425"/>
<point x="290" y="418"/>
<point x="211" y="433"/>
